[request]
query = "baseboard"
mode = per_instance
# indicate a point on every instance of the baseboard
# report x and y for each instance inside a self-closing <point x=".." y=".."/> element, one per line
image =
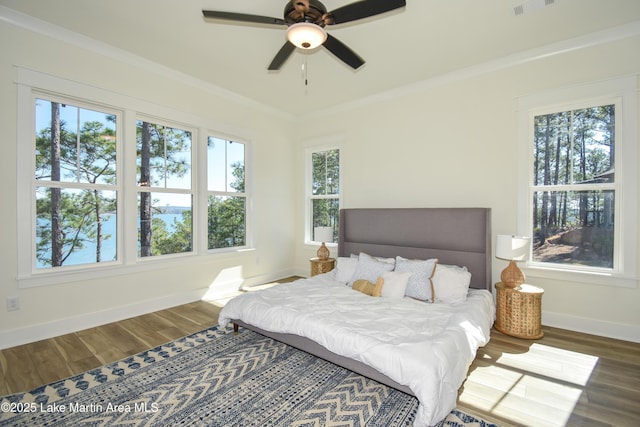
<point x="301" y="272"/>
<point x="32" y="333"/>
<point x="585" y="325"/>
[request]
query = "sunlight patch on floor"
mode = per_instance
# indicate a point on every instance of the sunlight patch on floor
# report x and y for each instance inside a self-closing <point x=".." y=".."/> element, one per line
<point x="540" y="387"/>
<point x="552" y="362"/>
<point x="220" y="300"/>
<point x="519" y="397"/>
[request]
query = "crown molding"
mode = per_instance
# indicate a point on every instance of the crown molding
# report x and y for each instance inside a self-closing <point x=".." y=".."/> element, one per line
<point x="613" y="34"/>
<point x="573" y="44"/>
<point x="64" y="35"/>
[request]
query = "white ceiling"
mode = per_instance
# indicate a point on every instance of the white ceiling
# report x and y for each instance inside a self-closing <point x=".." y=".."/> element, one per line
<point x="426" y="40"/>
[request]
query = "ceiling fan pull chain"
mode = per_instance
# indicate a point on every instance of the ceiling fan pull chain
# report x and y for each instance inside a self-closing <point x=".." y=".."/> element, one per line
<point x="304" y="71"/>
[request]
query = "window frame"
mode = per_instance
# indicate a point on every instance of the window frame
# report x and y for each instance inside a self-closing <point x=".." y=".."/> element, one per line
<point x="36" y="94"/>
<point x="31" y="84"/>
<point x="310" y="197"/>
<point x="245" y="194"/>
<point x="622" y="93"/>
<point x="171" y="190"/>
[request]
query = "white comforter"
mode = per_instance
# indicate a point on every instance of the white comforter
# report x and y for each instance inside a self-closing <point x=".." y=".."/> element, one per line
<point x="427" y="347"/>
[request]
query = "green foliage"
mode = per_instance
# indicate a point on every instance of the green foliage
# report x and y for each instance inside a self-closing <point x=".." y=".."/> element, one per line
<point x="166" y="153"/>
<point x="326" y="172"/>
<point x="574" y="164"/>
<point x="226" y="222"/>
<point x="86" y="157"/>
<point x="226" y="212"/>
<point x="326" y="188"/>
<point x="80" y="222"/>
<point x="238" y="175"/>
<point x="179" y="241"/>
<point x="163" y="154"/>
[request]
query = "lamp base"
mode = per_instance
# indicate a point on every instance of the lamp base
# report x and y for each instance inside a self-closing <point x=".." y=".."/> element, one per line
<point x="512" y="276"/>
<point x="323" y="252"/>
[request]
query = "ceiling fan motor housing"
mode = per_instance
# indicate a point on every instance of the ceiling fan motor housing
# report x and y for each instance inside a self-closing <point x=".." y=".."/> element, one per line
<point x="311" y="11"/>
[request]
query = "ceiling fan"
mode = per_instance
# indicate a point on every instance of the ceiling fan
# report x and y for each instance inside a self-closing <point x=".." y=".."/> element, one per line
<point x="306" y="20"/>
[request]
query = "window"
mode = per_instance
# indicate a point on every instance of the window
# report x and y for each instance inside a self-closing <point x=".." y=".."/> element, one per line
<point x="324" y="195"/>
<point x="165" y="200"/>
<point x="107" y="183"/>
<point x="574" y="187"/>
<point x="227" y="197"/>
<point x="581" y="187"/>
<point x="76" y="193"/>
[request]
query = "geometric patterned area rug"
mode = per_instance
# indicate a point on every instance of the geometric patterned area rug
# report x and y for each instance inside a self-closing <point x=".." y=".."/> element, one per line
<point x="216" y="378"/>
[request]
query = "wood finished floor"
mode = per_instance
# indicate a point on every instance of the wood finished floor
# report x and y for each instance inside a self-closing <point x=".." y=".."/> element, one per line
<point x="563" y="379"/>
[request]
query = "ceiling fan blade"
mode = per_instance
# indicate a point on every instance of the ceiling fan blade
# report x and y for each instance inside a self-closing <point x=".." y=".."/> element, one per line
<point x="283" y="54"/>
<point x="343" y="53"/>
<point x="243" y="17"/>
<point x="362" y="9"/>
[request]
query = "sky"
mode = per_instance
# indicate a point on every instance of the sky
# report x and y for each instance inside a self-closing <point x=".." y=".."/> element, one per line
<point x="221" y="154"/>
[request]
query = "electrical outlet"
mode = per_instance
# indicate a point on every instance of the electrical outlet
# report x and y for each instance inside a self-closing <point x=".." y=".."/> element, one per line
<point x="13" y="303"/>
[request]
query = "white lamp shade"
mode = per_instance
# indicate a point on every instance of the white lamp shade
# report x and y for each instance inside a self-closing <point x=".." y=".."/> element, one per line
<point x="512" y="248"/>
<point x="323" y="234"/>
<point x="306" y="35"/>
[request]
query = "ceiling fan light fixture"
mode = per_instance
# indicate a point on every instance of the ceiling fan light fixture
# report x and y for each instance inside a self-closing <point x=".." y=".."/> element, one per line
<point x="306" y="35"/>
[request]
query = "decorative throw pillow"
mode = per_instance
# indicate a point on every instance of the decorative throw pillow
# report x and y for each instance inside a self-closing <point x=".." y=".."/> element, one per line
<point x="368" y="288"/>
<point x="345" y="268"/>
<point x="451" y="284"/>
<point x="395" y="284"/>
<point x="419" y="285"/>
<point x="370" y="268"/>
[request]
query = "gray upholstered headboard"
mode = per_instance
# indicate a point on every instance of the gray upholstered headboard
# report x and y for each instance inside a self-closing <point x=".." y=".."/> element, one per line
<point x="459" y="236"/>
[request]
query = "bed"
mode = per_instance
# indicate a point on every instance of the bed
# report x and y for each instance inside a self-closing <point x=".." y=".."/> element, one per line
<point x="418" y="346"/>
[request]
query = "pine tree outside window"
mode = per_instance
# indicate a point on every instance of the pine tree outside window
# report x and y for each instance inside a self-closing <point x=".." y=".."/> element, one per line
<point x="75" y="185"/>
<point x="579" y="182"/>
<point x="227" y="195"/>
<point x="574" y="187"/>
<point x="97" y="197"/>
<point x="324" y="192"/>
<point x="165" y="199"/>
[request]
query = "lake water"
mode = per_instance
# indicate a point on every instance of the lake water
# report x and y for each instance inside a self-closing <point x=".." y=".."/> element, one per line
<point x="87" y="254"/>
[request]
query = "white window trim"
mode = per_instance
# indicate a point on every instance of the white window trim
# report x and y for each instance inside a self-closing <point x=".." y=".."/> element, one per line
<point x="625" y="90"/>
<point x="131" y="109"/>
<point x="132" y="202"/>
<point x="308" y="238"/>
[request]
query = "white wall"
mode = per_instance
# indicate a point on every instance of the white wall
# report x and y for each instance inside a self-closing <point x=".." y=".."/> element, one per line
<point x="453" y="142"/>
<point x="51" y="310"/>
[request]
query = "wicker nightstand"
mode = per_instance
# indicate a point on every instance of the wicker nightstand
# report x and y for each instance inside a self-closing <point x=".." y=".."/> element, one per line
<point x="518" y="311"/>
<point x="319" y="266"/>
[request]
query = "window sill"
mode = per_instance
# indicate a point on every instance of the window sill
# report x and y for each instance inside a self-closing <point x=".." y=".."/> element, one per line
<point x="114" y="269"/>
<point x="581" y="277"/>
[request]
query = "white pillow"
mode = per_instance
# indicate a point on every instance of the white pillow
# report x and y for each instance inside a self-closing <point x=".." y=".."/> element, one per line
<point x="345" y="268"/>
<point x="370" y="268"/>
<point x="395" y="284"/>
<point x="451" y="283"/>
<point x="419" y="286"/>
<point x="383" y="259"/>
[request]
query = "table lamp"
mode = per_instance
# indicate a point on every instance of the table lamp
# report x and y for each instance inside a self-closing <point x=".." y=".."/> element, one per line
<point x="512" y="248"/>
<point x="324" y="235"/>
